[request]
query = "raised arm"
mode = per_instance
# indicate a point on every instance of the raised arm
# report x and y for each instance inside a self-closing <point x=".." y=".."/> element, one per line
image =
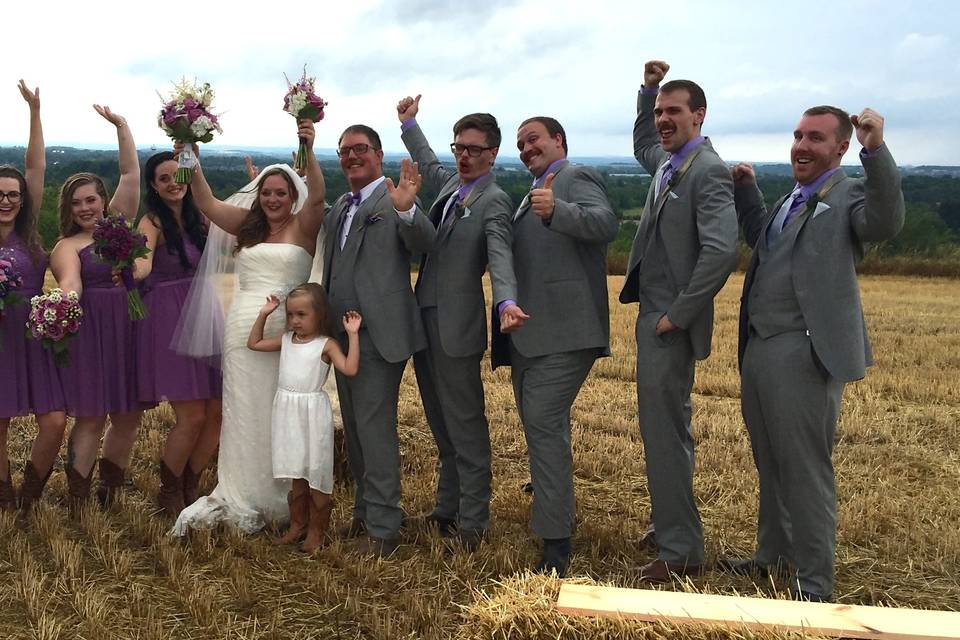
<point x="226" y="216"/>
<point x="65" y="265"/>
<point x="35" y="161"/>
<point x="880" y="215"/>
<point x="434" y="173"/>
<point x="311" y="215"/>
<point x="255" y="340"/>
<point x="347" y="364"/>
<point x="646" y="145"/>
<point x="126" y="197"/>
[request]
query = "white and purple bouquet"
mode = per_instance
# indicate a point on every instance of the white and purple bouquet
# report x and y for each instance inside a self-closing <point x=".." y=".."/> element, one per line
<point x="10" y="281"/>
<point x="302" y="102"/>
<point x="186" y="117"/>
<point x="119" y="245"/>
<point x="54" y="319"/>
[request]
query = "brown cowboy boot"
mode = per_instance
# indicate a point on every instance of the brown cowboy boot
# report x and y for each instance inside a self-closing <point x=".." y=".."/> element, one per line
<point x="321" y="505"/>
<point x="170" y="497"/>
<point x="78" y="489"/>
<point x="111" y="481"/>
<point x="299" y="502"/>
<point x="8" y="499"/>
<point x="32" y="486"/>
<point x="191" y="484"/>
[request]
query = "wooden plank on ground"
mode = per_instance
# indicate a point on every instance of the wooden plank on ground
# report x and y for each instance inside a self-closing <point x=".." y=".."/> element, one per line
<point x="841" y="620"/>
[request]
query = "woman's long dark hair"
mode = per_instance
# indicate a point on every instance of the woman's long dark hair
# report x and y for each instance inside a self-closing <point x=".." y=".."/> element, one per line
<point x="254" y="229"/>
<point x="162" y="215"/>
<point x="25" y="224"/>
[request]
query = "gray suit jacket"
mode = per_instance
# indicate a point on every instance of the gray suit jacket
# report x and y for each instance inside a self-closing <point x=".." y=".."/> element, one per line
<point x="830" y="242"/>
<point x="561" y="269"/>
<point x="697" y="224"/>
<point x="382" y="270"/>
<point x="462" y="250"/>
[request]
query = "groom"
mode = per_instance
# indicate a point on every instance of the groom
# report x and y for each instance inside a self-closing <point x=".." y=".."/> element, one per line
<point x="370" y="234"/>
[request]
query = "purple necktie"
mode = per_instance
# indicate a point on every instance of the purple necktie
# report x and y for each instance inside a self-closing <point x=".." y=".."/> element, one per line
<point x="665" y="177"/>
<point x="795" y="207"/>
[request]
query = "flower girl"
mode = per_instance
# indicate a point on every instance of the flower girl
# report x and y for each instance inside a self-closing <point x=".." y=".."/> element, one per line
<point x="302" y="424"/>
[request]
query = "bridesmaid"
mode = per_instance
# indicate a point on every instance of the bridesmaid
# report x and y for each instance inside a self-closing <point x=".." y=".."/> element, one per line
<point x="100" y="379"/>
<point x="176" y="234"/>
<point x="29" y="382"/>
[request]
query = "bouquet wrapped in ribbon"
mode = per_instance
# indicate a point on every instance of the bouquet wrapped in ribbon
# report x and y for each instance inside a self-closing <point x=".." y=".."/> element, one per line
<point x="10" y="281"/>
<point x="186" y="117"/>
<point x="54" y="319"/>
<point x="303" y="103"/>
<point x="119" y="245"/>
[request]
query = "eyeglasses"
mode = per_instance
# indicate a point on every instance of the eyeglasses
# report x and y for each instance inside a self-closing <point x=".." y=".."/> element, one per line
<point x="358" y="150"/>
<point x="473" y="150"/>
<point x="12" y="196"/>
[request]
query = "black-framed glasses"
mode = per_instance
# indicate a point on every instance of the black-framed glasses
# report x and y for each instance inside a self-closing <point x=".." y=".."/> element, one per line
<point x="12" y="196"/>
<point x="473" y="150"/>
<point x="358" y="150"/>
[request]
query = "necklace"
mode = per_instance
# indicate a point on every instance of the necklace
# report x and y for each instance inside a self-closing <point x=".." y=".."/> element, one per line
<point x="281" y="227"/>
<point x="298" y="339"/>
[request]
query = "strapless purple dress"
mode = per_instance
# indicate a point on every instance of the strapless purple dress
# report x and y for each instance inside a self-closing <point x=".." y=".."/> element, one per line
<point x="29" y="381"/>
<point x="162" y="374"/>
<point x="101" y="377"/>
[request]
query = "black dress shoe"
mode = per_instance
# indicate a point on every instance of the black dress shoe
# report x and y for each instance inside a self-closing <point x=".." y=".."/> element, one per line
<point x="744" y="567"/>
<point x="556" y="556"/>
<point x="808" y="596"/>
<point x="648" y="542"/>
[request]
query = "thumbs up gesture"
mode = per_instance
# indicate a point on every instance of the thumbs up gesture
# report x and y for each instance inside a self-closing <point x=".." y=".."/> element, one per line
<point x="542" y="201"/>
<point x="408" y="108"/>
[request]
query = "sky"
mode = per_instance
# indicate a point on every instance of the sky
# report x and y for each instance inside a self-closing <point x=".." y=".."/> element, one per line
<point x="760" y="63"/>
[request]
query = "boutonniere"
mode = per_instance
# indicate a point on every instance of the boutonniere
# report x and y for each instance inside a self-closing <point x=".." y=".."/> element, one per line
<point x="461" y="211"/>
<point x="372" y="218"/>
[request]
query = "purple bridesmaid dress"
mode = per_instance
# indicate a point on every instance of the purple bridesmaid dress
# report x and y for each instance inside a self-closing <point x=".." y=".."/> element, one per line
<point x="29" y="381"/>
<point x="162" y="374"/>
<point x="101" y="376"/>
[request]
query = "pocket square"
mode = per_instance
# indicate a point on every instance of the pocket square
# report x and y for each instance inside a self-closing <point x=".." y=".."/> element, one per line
<point x="821" y="207"/>
<point x="372" y="218"/>
<point x="463" y="212"/>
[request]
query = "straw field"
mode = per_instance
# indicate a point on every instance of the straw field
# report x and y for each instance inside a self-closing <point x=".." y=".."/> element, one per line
<point x="117" y="575"/>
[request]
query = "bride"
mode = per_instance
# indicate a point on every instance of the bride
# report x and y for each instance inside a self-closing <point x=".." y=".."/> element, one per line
<point x="274" y="253"/>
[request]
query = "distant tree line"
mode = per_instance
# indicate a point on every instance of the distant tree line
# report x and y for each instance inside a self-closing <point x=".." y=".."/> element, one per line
<point x="931" y="231"/>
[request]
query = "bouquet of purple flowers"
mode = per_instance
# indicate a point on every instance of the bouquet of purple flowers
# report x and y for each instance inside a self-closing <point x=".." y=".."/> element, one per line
<point x="302" y="102"/>
<point x="119" y="245"/>
<point x="186" y="117"/>
<point x="10" y="281"/>
<point x="54" y="319"/>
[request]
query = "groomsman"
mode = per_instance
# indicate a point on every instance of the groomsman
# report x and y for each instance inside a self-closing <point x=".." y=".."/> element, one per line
<point x="684" y="250"/>
<point x="802" y="332"/>
<point x="560" y="237"/>
<point x="371" y="233"/>
<point x="472" y="216"/>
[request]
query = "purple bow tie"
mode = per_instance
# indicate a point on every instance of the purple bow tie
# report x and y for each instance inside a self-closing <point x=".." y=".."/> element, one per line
<point x="353" y="199"/>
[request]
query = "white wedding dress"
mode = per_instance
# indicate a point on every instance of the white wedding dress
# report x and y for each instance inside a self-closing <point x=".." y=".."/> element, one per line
<point x="247" y="496"/>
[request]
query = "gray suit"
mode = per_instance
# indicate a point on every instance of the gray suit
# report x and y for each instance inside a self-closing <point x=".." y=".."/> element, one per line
<point x="450" y="294"/>
<point x="562" y="284"/>
<point x="371" y="274"/>
<point x="684" y="250"/>
<point x="801" y="307"/>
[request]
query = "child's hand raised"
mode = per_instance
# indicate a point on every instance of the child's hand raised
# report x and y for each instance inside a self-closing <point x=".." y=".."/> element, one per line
<point x="351" y="321"/>
<point x="270" y="305"/>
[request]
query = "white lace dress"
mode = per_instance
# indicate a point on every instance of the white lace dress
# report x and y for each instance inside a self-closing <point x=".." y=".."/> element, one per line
<point x="247" y="495"/>
<point x="302" y="418"/>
